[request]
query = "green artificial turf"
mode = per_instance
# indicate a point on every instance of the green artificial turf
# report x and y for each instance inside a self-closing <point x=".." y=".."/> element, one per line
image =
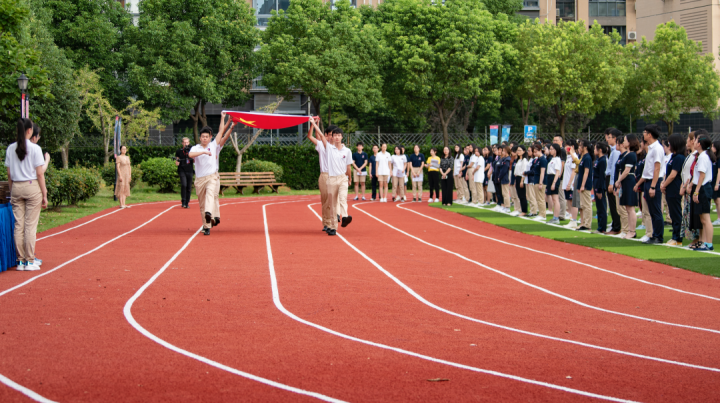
<point x="704" y="263"/>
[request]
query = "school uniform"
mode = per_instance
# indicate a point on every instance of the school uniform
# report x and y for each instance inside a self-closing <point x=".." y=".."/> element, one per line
<point x="644" y="210"/>
<point x="457" y="172"/>
<point x="322" y="184"/>
<point x="586" y="170"/>
<point x="337" y="182"/>
<point x="519" y="170"/>
<point x="612" y="160"/>
<point x="655" y="155"/>
<point x="553" y="170"/>
<point x="504" y="170"/>
<point x="539" y="191"/>
<point x="446" y="184"/>
<point x="382" y="161"/>
<point x="207" y="181"/>
<point x="704" y="189"/>
<point x="433" y="164"/>
<point x="600" y="189"/>
<point x="373" y="177"/>
<point x="672" y="194"/>
<point x="359" y="159"/>
<point x="416" y="162"/>
<point x="466" y="182"/>
<point x="530" y="188"/>
<point x="716" y="193"/>
<point x="687" y="228"/>
<point x="622" y="211"/>
<point x="398" y="174"/>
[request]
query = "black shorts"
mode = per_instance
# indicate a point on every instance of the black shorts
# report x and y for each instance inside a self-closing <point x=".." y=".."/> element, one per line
<point x="550" y="192"/>
<point x="704" y="200"/>
<point x="568" y="194"/>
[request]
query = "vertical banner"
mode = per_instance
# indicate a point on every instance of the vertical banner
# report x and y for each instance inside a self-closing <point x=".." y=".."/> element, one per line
<point x="530" y="132"/>
<point x="22" y="106"/>
<point x="116" y="138"/>
<point x="506" y="133"/>
<point x="494" y="134"/>
<point x="27" y="107"/>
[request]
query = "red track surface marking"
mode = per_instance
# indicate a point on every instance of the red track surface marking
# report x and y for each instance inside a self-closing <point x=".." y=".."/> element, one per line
<point x="531" y="357"/>
<point x="556" y="255"/>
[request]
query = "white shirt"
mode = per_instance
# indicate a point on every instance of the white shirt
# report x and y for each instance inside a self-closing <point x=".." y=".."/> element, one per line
<point x="656" y="153"/>
<point x="567" y="172"/>
<point x="686" y="166"/>
<point x="25" y="170"/>
<point x="206" y="164"/>
<point x="703" y="165"/>
<point x="520" y="167"/>
<point x="479" y="175"/>
<point x="320" y="148"/>
<point x="338" y="160"/>
<point x="399" y="162"/>
<point x="458" y="164"/>
<point x="382" y="159"/>
<point x="554" y="166"/>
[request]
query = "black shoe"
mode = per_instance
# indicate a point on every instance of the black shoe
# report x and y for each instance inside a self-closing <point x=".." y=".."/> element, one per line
<point x="652" y="241"/>
<point x="208" y="217"/>
<point x="325" y="228"/>
<point x="345" y="221"/>
<point x="583" y="229"/>
<point x="206" y="231"/>
<point x="331" y="232"/>
<point x="216" y="221"/>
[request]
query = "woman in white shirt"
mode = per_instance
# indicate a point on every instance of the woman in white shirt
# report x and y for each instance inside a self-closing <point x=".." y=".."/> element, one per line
<point x="457" y="174"/>
<point x="383" y="169"/>
<point x="28" y="194"/>
<point x="478" y="177"/>
<point x="554" y="169"/>
<point x="399" y="165"/>
<point x="701" y="192"/>
<point x="520" y="154"/>
<point x="686" y="177"/>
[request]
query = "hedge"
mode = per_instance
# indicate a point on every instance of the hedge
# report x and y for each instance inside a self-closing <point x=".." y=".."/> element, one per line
<point x="71" y="186"/>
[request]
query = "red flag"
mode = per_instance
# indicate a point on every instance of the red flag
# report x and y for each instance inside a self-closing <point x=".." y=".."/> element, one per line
<point x="267" y="120"/>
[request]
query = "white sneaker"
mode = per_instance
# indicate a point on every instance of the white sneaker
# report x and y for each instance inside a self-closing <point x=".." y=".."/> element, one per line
<point x="437" y="200"/>
<point x="506" y="210"/>
<point x="716" y="222"/>
<point x="462" y="201"/>
<point x="356" y="199"/>
<point x="568" y="216"/>
<point x="644" y="238"/>
<point x="31" y="267"/>
<point x="37" y="262"/>
<point x="621" y="235"/>
<point x="571" y="225"/>
<point x="539" y="219"/>
<point x="548" y="213"/>
<point x="431" y="200"/>
<point x="20" y="266"/>
<point x="515" y="213"/>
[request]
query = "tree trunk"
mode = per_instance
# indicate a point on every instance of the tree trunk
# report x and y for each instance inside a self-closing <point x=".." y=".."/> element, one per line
<point x="329" y="115"/>
<point x="65" y="155"/>
<point x="196" y="132"/>
<point x="562" y="126"/>
<point x="316" y="105"/>
<point x="525" y="111"/>
<point x="670" y="126"/>
<point x="445" y="121"/>
<point x="203" y="116"/>
<point x="106" y="139"/>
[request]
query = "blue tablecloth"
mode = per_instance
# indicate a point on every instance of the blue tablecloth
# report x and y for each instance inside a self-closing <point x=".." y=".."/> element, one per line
<point x="8" y="256"/>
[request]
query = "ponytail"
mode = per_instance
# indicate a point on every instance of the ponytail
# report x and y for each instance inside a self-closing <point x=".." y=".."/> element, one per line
<point x="706" y="145"/>
<point x="23" y="125"/>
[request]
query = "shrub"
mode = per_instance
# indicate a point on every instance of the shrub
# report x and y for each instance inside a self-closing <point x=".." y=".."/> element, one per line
<point x="71" y="186"/>
<point x="108" y="175"/>
<point x="263" y="166"/>
<point x="160" y="172"/>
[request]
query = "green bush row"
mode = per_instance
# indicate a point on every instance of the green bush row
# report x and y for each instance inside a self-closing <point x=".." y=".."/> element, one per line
<point x="160" y="172"/>
<point x="70" y="186"/>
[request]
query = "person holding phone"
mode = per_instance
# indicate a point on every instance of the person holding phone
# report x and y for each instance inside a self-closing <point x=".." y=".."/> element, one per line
<point x="185" y="170"/>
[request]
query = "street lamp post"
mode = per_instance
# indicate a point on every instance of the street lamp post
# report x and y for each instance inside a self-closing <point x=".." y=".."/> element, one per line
<point x="24" y="104"/>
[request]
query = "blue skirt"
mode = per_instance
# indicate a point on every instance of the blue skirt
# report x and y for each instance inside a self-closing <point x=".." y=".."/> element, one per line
<point x="549" y="180"/>
<point x="628" y="197"/>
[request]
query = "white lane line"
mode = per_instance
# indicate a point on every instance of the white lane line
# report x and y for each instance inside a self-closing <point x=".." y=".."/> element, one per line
<point x="279" y="305"/>
<point x="449" y="312"/>
<point x="560" y="257"/>
<point x="545" y="290"/>
<point x="127" y="310"/>
<point x="25" y="391"/>
<point x="78" y="226"/>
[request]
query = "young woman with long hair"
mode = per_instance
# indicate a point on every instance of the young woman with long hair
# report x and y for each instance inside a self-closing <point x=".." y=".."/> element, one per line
<point x="554" y="171"/>
<point x="599" y="185"/>
<point x="446" y="177"/>
<point x="477" y="177"/>
<point x="457" y="174"/>
<point x="486" y="157"/>
<point x="433" y="165"/>
<point x="124" y="170"/>
<point x="702" y="192"/>
<point x="585" y="183"/>
<point x="399" y="164"/>
<point x="716" y="181"/>
<point x="672" y="184"/>
<point x="520" y="185"/>
<point x="687" y="174"/>
<point x="625" y="182"/>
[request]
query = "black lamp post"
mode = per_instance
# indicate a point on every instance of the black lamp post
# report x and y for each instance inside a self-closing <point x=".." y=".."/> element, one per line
<point x="22" y="84"/>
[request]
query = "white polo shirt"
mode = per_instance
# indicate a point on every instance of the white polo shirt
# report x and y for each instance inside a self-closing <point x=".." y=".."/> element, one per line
<point x="25" y="170"/>
<point x="399" y="162"/>
<point x="458" y="164"/>
<point x="320" y="148"/>
<point x="338" y="160"/>
<point x="479" y="175"/>
<point x="703" y="165"/>
<point x="382" y="159"/>
<point x="206" y="164"/>
<point x="567" y="172"/>
<point x="554" y="166"/>
<point x="656" y="153"/>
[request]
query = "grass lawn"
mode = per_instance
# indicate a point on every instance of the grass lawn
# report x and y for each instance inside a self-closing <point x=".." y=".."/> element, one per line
<point x="141" y="193"/>
<point x="704" y="263"/>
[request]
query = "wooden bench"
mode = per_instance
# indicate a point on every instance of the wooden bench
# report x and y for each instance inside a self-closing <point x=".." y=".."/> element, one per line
<point x="241" y="180"/>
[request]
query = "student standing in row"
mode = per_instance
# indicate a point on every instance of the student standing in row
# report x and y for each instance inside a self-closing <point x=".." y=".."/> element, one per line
<point x="503" y="178"/>
<point x="416" y="163"/>
<point x="561" y="193"/>
<point x="687" y="174"/>
<point x="520" y="185"/>
<point x="447" y="165"/>
<point x="554" y="169"/>
<point x="478" y="176"/>
<point x="185" y="171"/>
<point x="599" y="186"/>
<point x="470" y="177"/>
<point x="702" y="192"/>
<point x="716" y="180"/>
<point x="611" y="136"/>
<point x="539" y="172"/>
<point x="399" y="165"/>
<point x="465" y="181"/>
<point x="488" y="162"/>
<point x="650" y="179"/>
<point x="373" y="173"/>
<point x="28" y="194"/>
<point x="360" y="162"/>
<point x="322" y="179"/>
<point x="585" y="184"/>
<point x="625" y="182"/>
<point x="383" y="168"/>
<point x="457" y="173"/>
<point x="568" y="180"/>
<point x="671" y="186"/>
<point x="666" y="158"/>
<point x="433" y="164"/>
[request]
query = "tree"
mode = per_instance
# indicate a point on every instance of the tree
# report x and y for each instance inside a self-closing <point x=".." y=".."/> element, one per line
<point x="19" y="56"/>
<point x="90" y="32"/>
<point x="508" y="7"/>
<point x="136" y="120"/>
<point x="329" y="54"/>
<point x="443" y="55"/>
<point x="184" y="54"/>
<point x="574" y="70"/>
<point x="670" y="76"/>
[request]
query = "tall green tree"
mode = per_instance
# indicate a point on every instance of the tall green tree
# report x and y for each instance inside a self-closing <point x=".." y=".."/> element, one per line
<point x="443" y="55"/>
<point x="19" y="56"/>
<point x="184" y="54"/>
<point x="572" y="69"/>
<point x="90" y="33"/>
<point x="670" y="76"/>
<point x="327" y="53"/>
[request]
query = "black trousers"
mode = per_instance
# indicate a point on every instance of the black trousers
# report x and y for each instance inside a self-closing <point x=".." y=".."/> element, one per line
<point x="522" y="195"/>
<point x="601" y="207"/>
<point x="498" y="193"/>
<point x="655" y="207"/>
<point x="434" y="179"/>
<point x="374" y="185"/>
<point x="613" y="209"/>
<point x="468" y="196"/>
<point x="675" y="208"/>
<point x="186" y="184"/>
<point x="447" y="189"/>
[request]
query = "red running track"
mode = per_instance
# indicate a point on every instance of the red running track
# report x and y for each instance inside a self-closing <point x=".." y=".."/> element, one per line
<point x="65" y="337"/>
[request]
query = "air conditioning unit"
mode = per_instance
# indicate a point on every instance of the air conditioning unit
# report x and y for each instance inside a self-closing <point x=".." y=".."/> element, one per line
<point x="557" y="12"/>
<point x="632" y="36"/>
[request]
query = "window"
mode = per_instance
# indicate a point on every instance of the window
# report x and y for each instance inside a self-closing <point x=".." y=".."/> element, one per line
<point x="263" y="9"/>
<point x="607" y="8"/>
<point x="566" y="9"/>
<point x="531" y="3"/>
<point x="620" y="30"/>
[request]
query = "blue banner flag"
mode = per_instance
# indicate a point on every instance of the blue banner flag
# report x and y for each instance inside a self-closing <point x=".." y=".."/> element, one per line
<point x="117" y="138"/>
<point x="494" y="134"/>
<point x="506" y="133"/>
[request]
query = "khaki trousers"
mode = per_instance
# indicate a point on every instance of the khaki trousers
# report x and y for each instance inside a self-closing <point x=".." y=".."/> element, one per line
<point x="342" y="206"/>
<point x="461" y="187"/>
<point x="515" y="198"/>
<point x="646" y="219"/>
<point x="586" y="209"/>
<point x="333" y="191"/>
<point x="530" y="195"/>
<point x="416" y="186"/>
<point x="26" y="201"/>
<point x="666" y="209"/>
<point x="207" y="190"/>
<point x="563" y="202"/>
<point x="539" y="192"/>
<point x="622" y="212"/>
<point x="322" y="184"/>
<point x="398" y="185"/>
<point x="506" y="195"/>
<point x="480" y="192"/>
<point x="474" y="191"/>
